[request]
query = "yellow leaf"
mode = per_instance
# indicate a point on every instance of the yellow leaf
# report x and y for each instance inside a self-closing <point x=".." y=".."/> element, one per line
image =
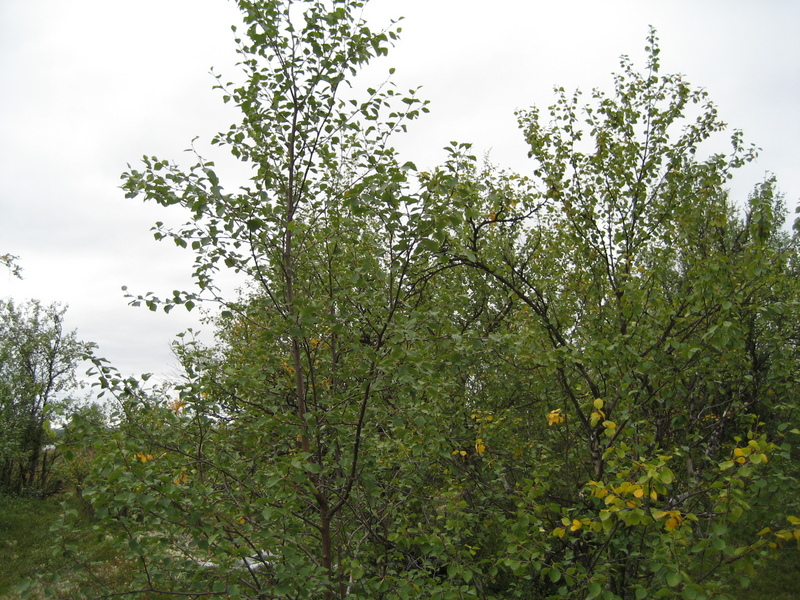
<point x="598" y="403"/>
<point x="622" y="488"/>
<point x="575" y="525"/>
<point x="555" y="417"/>
<point x="639" y="493"/>
<point x="764" y="531"/>
<point x="671" y="524"/>
<point x="559" y="532"/>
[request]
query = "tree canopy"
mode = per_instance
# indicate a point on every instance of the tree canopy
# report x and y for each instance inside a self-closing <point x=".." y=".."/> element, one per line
<point x="463" y="382"/>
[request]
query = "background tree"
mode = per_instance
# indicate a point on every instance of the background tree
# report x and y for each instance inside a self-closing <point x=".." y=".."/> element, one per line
<point x="37" y="367"/>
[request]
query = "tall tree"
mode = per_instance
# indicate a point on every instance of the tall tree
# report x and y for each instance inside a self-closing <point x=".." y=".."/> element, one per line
<point x="276" y="424"/>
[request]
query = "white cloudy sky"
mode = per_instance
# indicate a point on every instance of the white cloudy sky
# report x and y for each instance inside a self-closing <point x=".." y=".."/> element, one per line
<point x="87" y="86"/>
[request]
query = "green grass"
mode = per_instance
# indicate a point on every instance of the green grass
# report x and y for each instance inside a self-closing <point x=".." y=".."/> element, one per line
<point x="29" y="549"/>
<point x="25" y="534"/>
<point x="779" y="579"/>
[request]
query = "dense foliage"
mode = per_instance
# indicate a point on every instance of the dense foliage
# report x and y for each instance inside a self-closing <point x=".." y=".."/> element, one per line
<point x="577" y="382"/>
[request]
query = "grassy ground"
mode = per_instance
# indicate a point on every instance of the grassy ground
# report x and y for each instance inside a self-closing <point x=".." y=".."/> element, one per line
<point x="24" y="531"/>
<point x="27" y="550"/>
<point x="778" y="580"/>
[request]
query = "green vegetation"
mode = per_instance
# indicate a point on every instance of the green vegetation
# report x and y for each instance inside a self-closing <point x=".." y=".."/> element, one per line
<point x="37" y="367"/>
<point x="34" y="552"/>
<point x="26" y="542"/>
<point x="461" y="383"/>
<point x="10" y="262"/>
<point x="31" y="545"/>
<point x="776" y="580"/>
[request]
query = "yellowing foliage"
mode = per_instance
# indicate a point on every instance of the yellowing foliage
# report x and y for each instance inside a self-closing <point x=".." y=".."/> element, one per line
<point x="554" y="417"/>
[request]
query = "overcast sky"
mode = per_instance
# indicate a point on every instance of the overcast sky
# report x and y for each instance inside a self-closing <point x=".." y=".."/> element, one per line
<point x="87" y="86"/>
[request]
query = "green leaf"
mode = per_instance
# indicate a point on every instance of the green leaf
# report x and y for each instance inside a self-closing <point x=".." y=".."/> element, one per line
<point x="593" y="589"/>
